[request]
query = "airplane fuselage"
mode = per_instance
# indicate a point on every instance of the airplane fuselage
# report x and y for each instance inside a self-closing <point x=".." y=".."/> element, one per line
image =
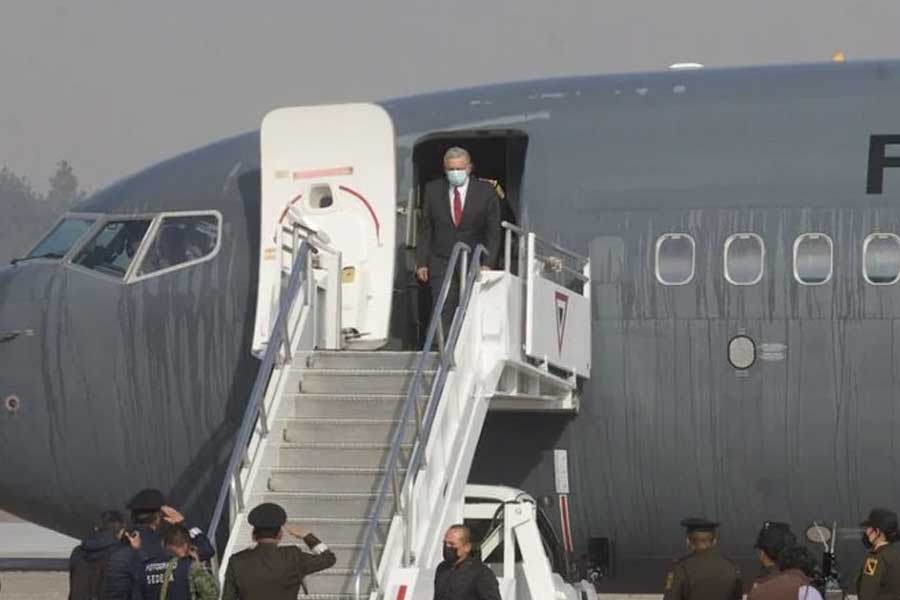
<point x="122" y="384"/>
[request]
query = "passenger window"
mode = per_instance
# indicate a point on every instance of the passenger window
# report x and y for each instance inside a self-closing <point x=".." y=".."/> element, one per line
<point x="813" y="260"/>
<point x="59" y="241"/>
<point x="111" y="251"/>
<point x="881" y="258"/>
<point x="744" y="258"/>
<point x="675" y="259"/>
<point x="320" y="196"/>
<point x="180" y="241"/>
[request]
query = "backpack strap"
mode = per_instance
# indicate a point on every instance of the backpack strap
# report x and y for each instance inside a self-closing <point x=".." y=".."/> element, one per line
<point x="167" y="578"/>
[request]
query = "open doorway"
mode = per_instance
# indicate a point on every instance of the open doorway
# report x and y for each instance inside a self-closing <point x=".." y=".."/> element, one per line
<point x="498" y="156"/>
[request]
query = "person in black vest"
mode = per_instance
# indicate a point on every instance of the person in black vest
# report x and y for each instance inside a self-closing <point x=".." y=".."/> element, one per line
<point x="88" y="561"/>
<point x="461" y="576"/>
<point x="457" y="208"/>
<point x="135" y="574"/>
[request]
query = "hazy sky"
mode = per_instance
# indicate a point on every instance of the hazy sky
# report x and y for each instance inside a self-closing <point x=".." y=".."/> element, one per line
<point x="114" y="85"/>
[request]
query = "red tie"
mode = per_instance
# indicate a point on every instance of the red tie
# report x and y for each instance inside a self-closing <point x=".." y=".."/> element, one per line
<point x="457" y="207"/>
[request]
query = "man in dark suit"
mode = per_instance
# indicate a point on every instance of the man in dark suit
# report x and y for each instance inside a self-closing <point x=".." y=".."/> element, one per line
<point x="457" y="208"/>
<point x="461" y="576"/>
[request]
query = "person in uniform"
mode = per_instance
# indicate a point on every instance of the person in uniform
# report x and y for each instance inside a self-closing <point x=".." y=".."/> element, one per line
<point x="772" y="539"/>
<point x="151" y="515"/>
<point x="461" y="576"/>
<point x="879" y="576"/>
<point x="271" y="571"/>
<point x="704" y="574"/>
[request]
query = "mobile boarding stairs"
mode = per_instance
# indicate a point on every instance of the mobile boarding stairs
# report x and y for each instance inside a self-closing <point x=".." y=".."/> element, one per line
<point x="371" y="450"/>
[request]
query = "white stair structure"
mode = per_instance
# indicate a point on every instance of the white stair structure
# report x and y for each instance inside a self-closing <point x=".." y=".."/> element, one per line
<point x="371" y="450"/>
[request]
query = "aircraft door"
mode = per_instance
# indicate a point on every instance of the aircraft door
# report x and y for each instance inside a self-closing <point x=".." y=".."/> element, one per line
<point x="334" y="167"/>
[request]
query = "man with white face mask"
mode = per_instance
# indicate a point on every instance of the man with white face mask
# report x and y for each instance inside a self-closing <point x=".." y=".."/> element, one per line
<point x="456" y="208"/>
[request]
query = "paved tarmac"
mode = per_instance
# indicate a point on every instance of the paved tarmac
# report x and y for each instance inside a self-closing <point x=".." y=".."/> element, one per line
<point x="34" y="586"/>
<point x="19" y="539"/>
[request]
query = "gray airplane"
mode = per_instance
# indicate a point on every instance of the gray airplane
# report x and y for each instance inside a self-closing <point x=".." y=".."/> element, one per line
<point x="743" y="229"/>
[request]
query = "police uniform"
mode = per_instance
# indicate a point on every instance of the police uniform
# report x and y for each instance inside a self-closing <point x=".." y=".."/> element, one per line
<point x="153" y="557"/>
<point x="879" y="577"/>
<point x="271" y="571"/>
<point x="703" y="574"/>
<point x="772" y="539"/>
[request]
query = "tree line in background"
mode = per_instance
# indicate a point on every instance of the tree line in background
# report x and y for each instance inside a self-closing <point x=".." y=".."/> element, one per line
<point x="26" y="214"/>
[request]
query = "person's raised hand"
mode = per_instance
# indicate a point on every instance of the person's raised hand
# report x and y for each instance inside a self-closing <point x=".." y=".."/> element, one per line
<point x="422" y="274"/>
<point x="296" y="531"/>
<point x="134" y="539"/>
<point x="171" y="515"/>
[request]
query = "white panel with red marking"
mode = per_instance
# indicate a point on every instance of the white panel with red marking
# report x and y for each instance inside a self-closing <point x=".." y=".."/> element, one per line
<point x="559" y="326"/>
<point x="334" y="167"/>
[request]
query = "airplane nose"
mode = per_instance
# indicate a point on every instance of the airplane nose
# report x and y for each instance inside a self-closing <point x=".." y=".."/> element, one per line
<point x="20" y="317"/>
<point x="24" y="418"/>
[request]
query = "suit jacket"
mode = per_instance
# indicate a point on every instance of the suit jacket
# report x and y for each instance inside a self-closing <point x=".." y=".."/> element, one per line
<point x="480" y="224"/>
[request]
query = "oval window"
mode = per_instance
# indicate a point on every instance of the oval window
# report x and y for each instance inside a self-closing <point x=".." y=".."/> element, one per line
<point x="744" y="258"/>
<point x="675" y="259"/>
<point x="813" y="259"/>
<point x="741" y="352"/>
<point x="881" y="258"/>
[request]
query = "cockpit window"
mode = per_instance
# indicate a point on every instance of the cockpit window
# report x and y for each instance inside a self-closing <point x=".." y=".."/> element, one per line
<point x="59" y="241"/>
<point x="179" y="241"/>
<point x="114" y="247"/>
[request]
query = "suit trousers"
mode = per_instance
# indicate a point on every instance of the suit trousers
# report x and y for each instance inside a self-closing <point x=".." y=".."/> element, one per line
<point x="436" y="281"/>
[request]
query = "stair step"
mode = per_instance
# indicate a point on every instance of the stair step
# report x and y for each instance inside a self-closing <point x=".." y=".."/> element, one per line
<point x="375" y="406"/>
<point x="347" y="555"/>
<point x="308" y="506"/>
<point x="349" y="359"/>
<point x="356" y="381"/>
<point x="337" y="454"/>
<point x="312" y="479"/>
<point x="334" y="581"/>
<point x="297" y="430"/>
<point x="334" y="532"/>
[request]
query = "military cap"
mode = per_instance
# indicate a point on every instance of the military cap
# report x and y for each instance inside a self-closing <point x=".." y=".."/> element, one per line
<point x="881" y="518"/>
<point x="148" y="500"/>
<point x="693" y="524"/>
<point x="774" y="537"/>
<point x="267" y="515"/>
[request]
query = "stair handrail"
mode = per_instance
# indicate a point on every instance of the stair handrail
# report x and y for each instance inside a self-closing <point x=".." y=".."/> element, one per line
<point x="255" y="409"/>
<point x="423" y="422"/>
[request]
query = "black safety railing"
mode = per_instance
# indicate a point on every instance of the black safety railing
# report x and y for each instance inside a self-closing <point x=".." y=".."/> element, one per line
<point x="469" y="273"/>
<point x="279" y="342"/>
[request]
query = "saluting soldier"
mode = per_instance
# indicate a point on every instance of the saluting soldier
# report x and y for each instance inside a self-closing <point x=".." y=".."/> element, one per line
<point x="879" y="577"/>
<point x="704" y="574"/>
<point x="271" y="571"/>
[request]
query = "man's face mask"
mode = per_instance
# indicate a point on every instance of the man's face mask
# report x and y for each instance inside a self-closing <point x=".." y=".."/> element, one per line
<point x="450" y="554"/>
<point x="867" y="543"/>
<point x="457" y="177"/>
